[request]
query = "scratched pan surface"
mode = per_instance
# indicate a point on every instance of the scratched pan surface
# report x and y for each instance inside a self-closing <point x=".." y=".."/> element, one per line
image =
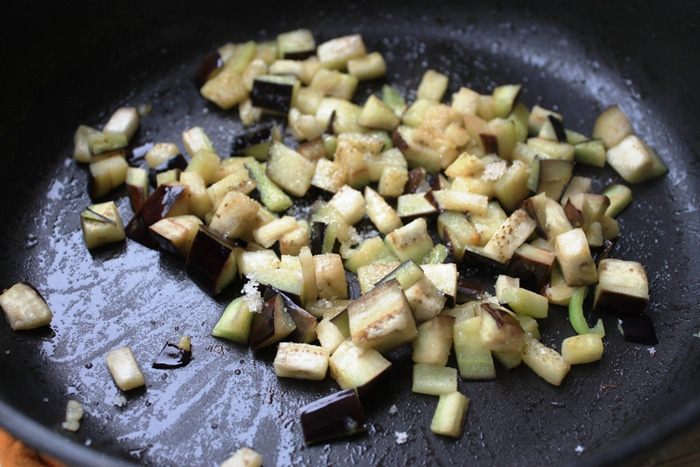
<point x="66" y="68"/>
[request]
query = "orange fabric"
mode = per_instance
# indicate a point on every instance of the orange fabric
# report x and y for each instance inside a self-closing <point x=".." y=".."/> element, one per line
<point x="14" y="453"/>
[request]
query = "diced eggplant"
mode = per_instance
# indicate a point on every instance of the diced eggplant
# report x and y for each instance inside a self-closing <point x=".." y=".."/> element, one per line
<point x="136" y="187"/>
<point x="305" y="322"/>
<point x="511" y="188"/>
<point x="499" y="135"/>
<point x="433" y="380"/>
<point x="330" y="276"/>
<point x="466" y="165"/>
<point x="334" y="84"/>
<point x="376" y="114"/>
<point x="210" y="64"/>
<point x="255" y="141"/>
<point x="451" y="200"/>
<point x="268" y="234"/>
<point x="504" y="98"/>
<point x="545" y="361"/>
<point x="538" y="116"/>
<point x="416" y="148"/>
<point x="371" y="251"/>
<point x="526" y="302"/>
<point x="468" y="291"/>
<point x="160" y="153"/>
<point x="514" y="232"/>
<point x="425" y="299"/>
<point x="639" y="329"/>
<point x="444" y="277"/>
<point x="558" y="292"/>
<point x="533" y="266"/>
<point x="81" y="151"/>
<point x="416" y="205"/>
<point x="577" y="185"/>
<point x="465" y="101"/>
<point x="234" y="324"/>
<point x="412" y="241"/>
<point x="612" y="126"/>
<point x="352" y="366"/>
<point x="124" y="369"/>
<point x="623" y="288"/>
<point x="301" y="361"/>
<point x="211" y="262"/>
<point x="520" y="116"/>
<point x="296" y="45"/>
<point x="585" y="348"/>
<point x="124" y="121"/>
<point x="590" y="152"/>
<point x="329" y="176"/>
<point x="177" y="162"/>
<point x="105" y="175"/>
<point x="432" y="86"/>
<point x="574" y="258"/>
<point x="234" y="216"/>
<point x="335" y="53"/>
<point x="407" y="274"/>
<point x="478" y="256"/>
<point x="550" y="216"/>
<point x="371" y="66"/>
<point x="500" y="331"/>
<point x="289" y="169"/>
<point x="392" y="181"/>
<point x="168" y="177"/>
<point x="335" y="416"/>
<point x="226" y="89"/>
<point x="272" y="324"/>
<point x="473" y="356"/>
<point x="350" y="204"/>
<point x="458" y="232"/>
<point x="434" y="341"/>
<point x="448" y="419"/>
<point x="414" y="115"/>
<point x="382" y="215"/>
<point x="100" y="142"/>
<point x="174" y="355"/>
<point x="369" y="275"/>
<point x="437" y="255"/>
<point x="620" y="197"/>
<point x="552" y="176"/>
<point x="393" y="98"/>
<point x="635" y="161"/>
<point x="382" y="319"/>
<point x="274" y="93"/>
<point x="553" y="149"/>
<point x="24" y="307"/>
<point x="101" y="225"/>
<point x="176" y="234"/>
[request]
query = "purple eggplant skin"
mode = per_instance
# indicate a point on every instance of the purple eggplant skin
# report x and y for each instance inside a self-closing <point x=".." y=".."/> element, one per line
<point x="261" y="133"/>
<point x="156" y="207"/>
<point x="603" y="252"/>
<point x="468" y="291"/>
<point x="272" y="96"/>
<point x="137" y="156"/>
<point x="176" y="162"/>
<point x="639" y="329"/>
<point x="172" y="356"/>
<point x="533" y="275"/>
<point x="335" y="416"/>
<point x="137" y="196"/>
<point x="210" y="63"/>
<point x="300" y="55"/>
<point x="490" y="143"/>
<point x="620" y="304"/>
<point x="473" y="257"/>
<point x="559" y="129"/>
<point x="416" y="177"/>
<point x="263" y="325"/>
<point x="207" y="257"/>
<point x="318" y="231"/>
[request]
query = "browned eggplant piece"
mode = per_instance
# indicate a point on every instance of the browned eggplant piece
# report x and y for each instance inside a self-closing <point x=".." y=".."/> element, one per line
<point x="174" y="355"/>
<point x="417" y="182"/>
<point x="212" y="261"/>
<point x="638" y="329"/>
<point x="209" y="64"/>
<point x="305" y="322"/>
<point x="468" y="291"/>
<point x="165" y="201"/>
<point x="176" y="162"/>
<point x="137" y="156"/>
<point x="175" y="234"/>
<point x="136" y="187"/>
<point x="272" y="324"/>
<point x="500" y="331"/>
<point x="623" y="288"/>
<point x="554" y="175"/>
<point x="558" y="127"/>
<point x="335" y="416"/>
<point x="533" y="266"/>
<point x="476" y="255"/>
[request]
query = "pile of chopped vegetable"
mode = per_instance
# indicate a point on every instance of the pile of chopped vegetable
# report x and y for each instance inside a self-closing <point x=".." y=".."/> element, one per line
<point x="480" y="181"/>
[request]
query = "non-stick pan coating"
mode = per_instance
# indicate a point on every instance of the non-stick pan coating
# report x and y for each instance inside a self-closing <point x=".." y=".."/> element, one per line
<point x="75" y="64"/>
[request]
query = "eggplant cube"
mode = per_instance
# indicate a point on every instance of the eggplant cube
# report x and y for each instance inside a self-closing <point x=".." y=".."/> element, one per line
<point x="434" y="341"/>
<point x="124" y="121"/>
<point x="352" y="366"/>
<point x="234" y="216"/>
<point x="329" y="175"/>
<point x="584" y="348"/>
<point x="24" y="308"/>
<point x="211" y="262"/>
<point x="301" y="361"/>
<point x="176" y="234"/>
<point x="449" y="415"/>
<point x="513" y="232"/>
<point x="412" y="241"/>
<point x="272" y="324"/>
<point x="425" y="300"/>
<point x="334" y="416"/>
<point x="350" y="204"/>
<point x="226" y="89"/>
<point x="635" y="161"/>
<point x="382" y="319"/>
<point x="574" y="257"/>
<point x="102" y="224"/>
<point x="330" y="276"/>
<point x="106" y="175"/>
<point x="335" y="53"/>
<point x="500" y="331"/>
<point x="124" y="369"/>
<point x="289" y="169"/>
<point x="623" y="288"/>
<point x="546" y="362"/>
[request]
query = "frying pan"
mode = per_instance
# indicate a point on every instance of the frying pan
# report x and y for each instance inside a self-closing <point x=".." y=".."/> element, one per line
<point x="66" y="64"/>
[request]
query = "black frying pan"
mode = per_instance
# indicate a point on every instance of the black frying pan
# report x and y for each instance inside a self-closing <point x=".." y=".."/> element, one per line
<point x="66" y="64"/>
